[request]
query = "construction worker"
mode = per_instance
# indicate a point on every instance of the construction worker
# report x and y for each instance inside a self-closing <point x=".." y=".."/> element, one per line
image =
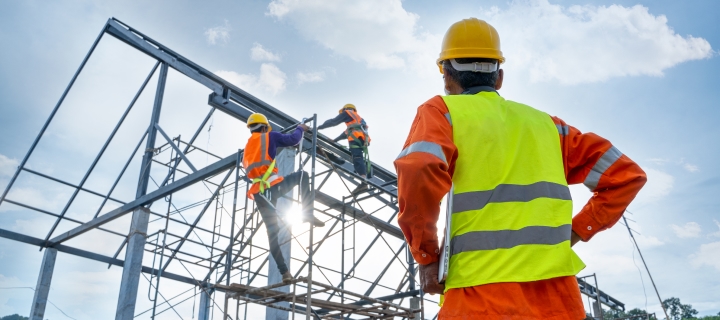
<point x="509" y="167"/>
<point x="358" y="141"/>
<point x="267" y="185"/>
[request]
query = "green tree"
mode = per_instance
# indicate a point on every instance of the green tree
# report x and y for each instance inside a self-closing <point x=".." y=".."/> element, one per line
<point x="679" y="311"/>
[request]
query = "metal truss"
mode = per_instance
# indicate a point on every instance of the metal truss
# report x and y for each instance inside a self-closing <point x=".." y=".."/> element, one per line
<point x="359" y="268"/>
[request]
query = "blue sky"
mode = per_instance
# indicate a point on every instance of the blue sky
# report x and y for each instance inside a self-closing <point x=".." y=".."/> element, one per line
<point x="641" y="73"/>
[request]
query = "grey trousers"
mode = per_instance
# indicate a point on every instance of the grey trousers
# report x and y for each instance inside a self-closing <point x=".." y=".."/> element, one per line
<point x="270" y="215"/>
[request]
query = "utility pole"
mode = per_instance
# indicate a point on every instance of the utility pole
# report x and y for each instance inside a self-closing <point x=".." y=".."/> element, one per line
<point x="646" y="267"/>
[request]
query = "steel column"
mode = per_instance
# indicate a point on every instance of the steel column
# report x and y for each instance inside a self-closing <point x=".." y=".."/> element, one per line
<point x="42" y="289"/>
<point x="285" y="161"/>
<point x="138" y="227"/>
<point x="205" y="303"/>
<point x="312" y="196"/>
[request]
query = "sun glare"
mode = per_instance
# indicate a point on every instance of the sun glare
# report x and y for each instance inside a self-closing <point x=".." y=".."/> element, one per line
<point x="294" y="215"/>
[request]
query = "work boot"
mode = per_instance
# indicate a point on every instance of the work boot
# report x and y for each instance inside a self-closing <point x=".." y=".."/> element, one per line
<point x="287" y="277"/>
<point x="315" y="221"/>
<point x="360" y="188"/>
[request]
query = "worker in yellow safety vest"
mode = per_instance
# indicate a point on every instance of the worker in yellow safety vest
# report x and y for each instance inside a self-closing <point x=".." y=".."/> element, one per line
<point x="509" y="166"/>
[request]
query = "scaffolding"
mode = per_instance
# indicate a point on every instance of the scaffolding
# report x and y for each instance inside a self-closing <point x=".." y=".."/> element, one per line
<point x="214" y="245"/>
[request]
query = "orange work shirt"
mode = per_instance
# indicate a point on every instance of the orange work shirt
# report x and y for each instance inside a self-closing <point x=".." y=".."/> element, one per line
<point x="423" y="180"/>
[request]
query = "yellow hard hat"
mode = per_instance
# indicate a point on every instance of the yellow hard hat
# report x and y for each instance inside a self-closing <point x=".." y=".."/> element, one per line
<point x="470" y="38"/>
<point x="347" y="106"/>
<point x="258" y="118"/>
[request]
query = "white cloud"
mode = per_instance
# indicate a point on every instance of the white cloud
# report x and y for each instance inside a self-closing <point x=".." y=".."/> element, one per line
<point x="271" y="79"/>
<point x="218" y="34"/>
<point x="7" y="166"/>
<point x="659" y="161"/>
<point x="580" y="44"/>
<point x="648" y="241"/>
<point x="689" y="230"/>
<point x="19" y="290"/>
<point x="709" y="254"/>
<point x="691" y="167"/>
<point x="48" y="199"/>
<point x="659" y="185"/>
<point x="716" y="233"/>
<point x="317" y="76"/>
<point x="378" y="32"/>
<point x="259" y="53"/>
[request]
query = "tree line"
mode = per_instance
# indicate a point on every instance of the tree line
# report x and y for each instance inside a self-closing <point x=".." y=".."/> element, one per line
<point x="675" y="308"/>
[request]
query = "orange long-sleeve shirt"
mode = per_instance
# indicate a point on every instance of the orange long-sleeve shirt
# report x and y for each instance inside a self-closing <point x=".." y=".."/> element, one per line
<point x="424" y="178"/>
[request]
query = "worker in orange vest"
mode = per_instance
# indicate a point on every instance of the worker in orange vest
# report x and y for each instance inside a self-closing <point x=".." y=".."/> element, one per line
<point x="358" y="141"/>
<point x="268" y="186"/>
<point x="505" y="168"/>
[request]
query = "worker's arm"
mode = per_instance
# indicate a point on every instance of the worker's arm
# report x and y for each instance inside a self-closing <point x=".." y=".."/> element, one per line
<point x="342" y="136"/>
<point x="341" y="118"/>
<point x="287" y="140"/>
<point x="424" y="170"/>
<point x="613" y="178"/>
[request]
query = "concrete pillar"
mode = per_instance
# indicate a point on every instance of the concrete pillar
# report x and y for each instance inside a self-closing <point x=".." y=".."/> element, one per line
<point x="42" y="289"/>
<point x="205" y="304"/>
<point x="285" y="162"/>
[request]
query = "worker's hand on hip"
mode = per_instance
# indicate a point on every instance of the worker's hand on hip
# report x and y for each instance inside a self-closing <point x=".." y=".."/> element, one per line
<point x="304" y="127"/>
<point x="429" y="279"/>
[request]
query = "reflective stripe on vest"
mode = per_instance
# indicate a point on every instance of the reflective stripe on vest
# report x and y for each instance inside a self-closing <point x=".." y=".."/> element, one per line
<point x="477" y="200"/>
<point x="354" y="128"/>
<point x="512" y="210"/>
<point x="259" y="167"/>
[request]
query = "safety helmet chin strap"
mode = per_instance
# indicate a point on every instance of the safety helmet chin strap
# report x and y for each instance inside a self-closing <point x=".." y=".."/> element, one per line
<point x="483" y="67"/>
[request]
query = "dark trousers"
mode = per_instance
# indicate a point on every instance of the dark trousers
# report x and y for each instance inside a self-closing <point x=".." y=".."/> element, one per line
<point x="358" y="157"/>
<point x="270" y="215"/>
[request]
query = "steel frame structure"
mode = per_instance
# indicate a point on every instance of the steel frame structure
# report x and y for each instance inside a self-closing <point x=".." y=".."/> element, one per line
<point x="232" y="257"/>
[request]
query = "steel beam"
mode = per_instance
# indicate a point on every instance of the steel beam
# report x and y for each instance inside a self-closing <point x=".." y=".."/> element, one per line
<point x="138" y="227"/>
<point x="42" y="289"/>
<point x="175" y="147"/>
<point x="359" y="215"/>
<point x="102" y="151"/>
<point x="7" y="234"/>
<point x="176" y="186"/>
<point x="228" y="97"/>
<point x="52" y="114"/>
<point x="197" y="219"/>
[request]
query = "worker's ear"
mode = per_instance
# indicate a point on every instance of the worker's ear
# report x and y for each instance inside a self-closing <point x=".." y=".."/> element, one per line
<point x="499" y="81"/>
<point x="451" y="86"/>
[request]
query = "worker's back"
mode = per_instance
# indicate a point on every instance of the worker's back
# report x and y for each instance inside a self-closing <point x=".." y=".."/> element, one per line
<point x="511" y="206"/>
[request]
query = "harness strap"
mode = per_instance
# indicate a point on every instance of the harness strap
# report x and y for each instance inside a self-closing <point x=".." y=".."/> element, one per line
<point x="264" y="179"/>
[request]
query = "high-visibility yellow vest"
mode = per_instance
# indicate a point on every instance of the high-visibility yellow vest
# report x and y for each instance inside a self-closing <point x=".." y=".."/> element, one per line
<point x="512" y="210"/>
